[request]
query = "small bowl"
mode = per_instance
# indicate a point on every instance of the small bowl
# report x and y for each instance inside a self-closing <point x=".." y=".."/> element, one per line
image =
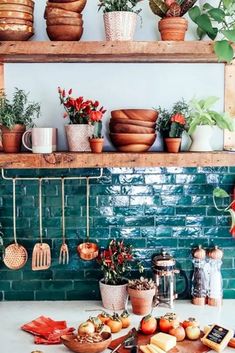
<point x="133" y="148"/>
<point x="88" y="251"/>
<point x="15" y="21"/>
<point x="16" y="14"/>
<point x="75" y="6"/>
<point x="115" y="121"/>
<point x="16" y="7"/>
<point x="136" y="114"/>
<point x="71" y="343"/>
<point x="64" y="32"/>
<point x="55" y="12"/>
<point x="130" y="129"/>
<point x="15" y="32"/>
<point x="64" y="21"/>
<point x="121" y="139"/>
<point x="19" y="2"/>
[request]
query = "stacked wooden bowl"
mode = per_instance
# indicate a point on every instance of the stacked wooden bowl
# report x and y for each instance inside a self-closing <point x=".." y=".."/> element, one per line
<point x="133" y="130"/>
<point x="64" y="19"/>
<point x="16" y="19"/>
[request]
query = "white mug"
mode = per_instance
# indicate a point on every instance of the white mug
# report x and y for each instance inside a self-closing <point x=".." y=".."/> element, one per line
<point x="40" y="139"/>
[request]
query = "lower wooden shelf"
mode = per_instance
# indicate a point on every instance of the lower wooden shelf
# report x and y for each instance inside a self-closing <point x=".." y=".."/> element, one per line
<point x="115" y="159"/>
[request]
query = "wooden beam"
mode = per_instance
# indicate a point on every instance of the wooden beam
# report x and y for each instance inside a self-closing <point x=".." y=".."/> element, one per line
<point x="115" y="159"/>
<point x="158" y="51"/>
<point x="229" y="101"/>
<point x="2" y="86"/>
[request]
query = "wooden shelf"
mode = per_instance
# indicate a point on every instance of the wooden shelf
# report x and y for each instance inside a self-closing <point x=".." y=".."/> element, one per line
<point x="114" y="159"/>
<point x="72" y="52"/>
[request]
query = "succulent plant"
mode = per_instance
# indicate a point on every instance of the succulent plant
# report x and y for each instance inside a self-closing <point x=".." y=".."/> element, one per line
<point x="170" y="8"/>
<point x="97" y="132"/>
<point x="141" y="284"/>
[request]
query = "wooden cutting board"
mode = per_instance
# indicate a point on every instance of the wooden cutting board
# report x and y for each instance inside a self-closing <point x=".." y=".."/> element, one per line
<point x="186" y="346"/>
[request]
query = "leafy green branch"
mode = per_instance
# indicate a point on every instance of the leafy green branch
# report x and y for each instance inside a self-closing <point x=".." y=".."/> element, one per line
<point x="221" y="193"/>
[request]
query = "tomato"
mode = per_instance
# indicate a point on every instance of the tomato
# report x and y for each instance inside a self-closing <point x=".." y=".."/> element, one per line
<point x="193" y="332"/>
<point x="167" y="321"/>
<point x="104" y="317"/>
<point x="115" y="323"/>
<point x="148" y="325"/>
<point x="86" y="328"/>
<point x="125" y="319"/>
<point x="190" y="322"/>
<point x="178" y="332"/>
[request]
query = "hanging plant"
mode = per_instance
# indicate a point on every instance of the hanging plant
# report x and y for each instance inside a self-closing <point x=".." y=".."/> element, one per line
<point x="221" y="193"/>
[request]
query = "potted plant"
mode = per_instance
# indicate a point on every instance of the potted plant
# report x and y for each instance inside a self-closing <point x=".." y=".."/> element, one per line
<point x="141" y="292"/>
<point x="15" y="115"/>
<point x="80" y="113"/>
<point x="201" y="121"/>
<point x="172" y="123"/>
<point x="96" y="141"/>
<point x="230" y="208"/>
<point x="115" y="263"/>
<point x="120" y="18"/>
<point x="215" y="19"/>
<point x="172" y="25"/>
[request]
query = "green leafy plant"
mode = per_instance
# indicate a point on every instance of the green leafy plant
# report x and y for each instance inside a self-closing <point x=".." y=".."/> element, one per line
<point x="172" y="123"/>
<point x="19" y="110"/>
<point x="171" y="8"/>
<point x="217" y="22"/>
<point x="202" y="114"/>
<point x="221" y="193"/>
<point x="119" y="5"/>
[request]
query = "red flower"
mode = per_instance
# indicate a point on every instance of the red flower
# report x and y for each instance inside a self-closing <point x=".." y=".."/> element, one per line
<point x="96" y="104"/>
<point x="78" y="103"/>
<point x="96" y="116"/>
<point x="178" y="118"/>
<point x="70" y="91"/>
<point x="63" y="93"/>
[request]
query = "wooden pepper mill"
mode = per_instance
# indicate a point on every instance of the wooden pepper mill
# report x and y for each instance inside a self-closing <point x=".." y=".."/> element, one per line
<point x="199" y="283"/>
<point x="215" y="293"/>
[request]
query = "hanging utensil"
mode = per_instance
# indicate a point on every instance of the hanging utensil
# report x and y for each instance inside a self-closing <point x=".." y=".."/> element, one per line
<point x="88" y="251"/>
<point x="64" y="251"/>
<point x="16" y="255"/>
<point x="41" y="258"/>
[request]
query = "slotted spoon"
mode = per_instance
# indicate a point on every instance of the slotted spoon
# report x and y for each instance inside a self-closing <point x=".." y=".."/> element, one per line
<point x="15" y="255"/>
<point x="41" y="258"/>
<point x="64" y="251"/>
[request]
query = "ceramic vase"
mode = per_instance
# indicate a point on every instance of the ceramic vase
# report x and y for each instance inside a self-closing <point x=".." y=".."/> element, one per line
<point x="201" y="138"/>
<point x="78" y="137"/>
<point x="141" y="300"/>
<point x="120" y="25"/>
<point x="114" y="297"/>
<point x="173" y="28"/>
<point x="11" y="138"/>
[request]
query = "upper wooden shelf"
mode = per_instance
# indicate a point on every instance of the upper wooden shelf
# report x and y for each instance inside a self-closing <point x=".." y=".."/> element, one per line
<point x="114" y="159"/>
<point x="73" y="52"/>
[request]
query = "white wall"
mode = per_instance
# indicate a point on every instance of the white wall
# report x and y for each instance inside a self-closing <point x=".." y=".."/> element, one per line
<point x="115" y="85"/>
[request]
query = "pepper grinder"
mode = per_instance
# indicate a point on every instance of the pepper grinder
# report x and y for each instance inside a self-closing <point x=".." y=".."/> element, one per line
<point x="215" y="293"/>
<point x="199" y="282"/>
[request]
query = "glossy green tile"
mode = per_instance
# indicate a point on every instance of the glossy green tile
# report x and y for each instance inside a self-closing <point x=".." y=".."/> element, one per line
<point x="26" y="285"/>
<point x="69" y="274"/>
<point x="19" y="295"/>
<point x="229" y="294"/>
<point x="198" y="211"/>
<point x="179" y="200"/>
<point x="144" y="200"/>
<point x="126" y="179"/>
<point x="50" y="295"/>
<point x="5" y="285"/>
<point x="190" y="179"/>
<point x="170" y="221"/>
<point x="129" y="211"/>
<point x="136" y="190"/>
<point x="58" y="285"/>
<point x="154" y="210"/>
<point x="37" y="275"/>
<point x="124" y="232"/>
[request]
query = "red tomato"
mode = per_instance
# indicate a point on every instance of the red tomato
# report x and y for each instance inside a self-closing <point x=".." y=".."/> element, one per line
<point x="148" y="325"/>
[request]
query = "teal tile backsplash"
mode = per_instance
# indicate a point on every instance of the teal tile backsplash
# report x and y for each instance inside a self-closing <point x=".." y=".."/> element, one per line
<point x="149" y="207"/>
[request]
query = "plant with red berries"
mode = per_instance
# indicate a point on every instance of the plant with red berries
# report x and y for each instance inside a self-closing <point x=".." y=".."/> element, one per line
<point x="80" y="111"/>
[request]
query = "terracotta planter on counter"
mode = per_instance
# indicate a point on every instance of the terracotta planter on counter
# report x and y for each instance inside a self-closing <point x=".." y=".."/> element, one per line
<point x="120" y="25"/>
<point x="114" y="297"/>
<point x="78" y="137"/>
<point x="11" y="138"/>
<point x="96" y="145"/>
<point x="141" y="300"/>
<point x="172" y="144"/>
<point x="173" y="28"/>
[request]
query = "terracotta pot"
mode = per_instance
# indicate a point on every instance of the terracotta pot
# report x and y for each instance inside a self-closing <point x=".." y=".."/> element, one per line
<point x="173" y="28"/>
<point x="11" y="139"/>
<point x="141" y="300"/>
<point x="120" y="25"/>
<point x="172" y="144"/>
<point x="113" y="297"/>
<point x="96" y="145"/>
<point x="78" y="137"/>
<point x="202" y="139"/>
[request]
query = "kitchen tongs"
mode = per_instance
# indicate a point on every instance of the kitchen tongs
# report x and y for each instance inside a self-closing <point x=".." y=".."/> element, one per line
<point x="127" y="341"/>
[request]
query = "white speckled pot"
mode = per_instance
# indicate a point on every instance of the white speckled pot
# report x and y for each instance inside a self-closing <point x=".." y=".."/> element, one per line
<point x="113" y="297"/>
<point x="78" y="137"/>
<point x="120" y="25"/>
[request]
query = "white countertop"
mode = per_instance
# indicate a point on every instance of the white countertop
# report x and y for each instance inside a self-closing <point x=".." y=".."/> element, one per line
<point x="14" y="314"/>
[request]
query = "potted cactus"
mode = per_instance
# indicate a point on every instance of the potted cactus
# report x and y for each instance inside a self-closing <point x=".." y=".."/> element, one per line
<point x="172" y="25"/>
<point x="141" y="292"/>
<point x="97" y="141"/>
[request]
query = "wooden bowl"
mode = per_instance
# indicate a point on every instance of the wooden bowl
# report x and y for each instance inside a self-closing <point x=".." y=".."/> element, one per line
<point x="15" y="21"/>
<point x="55" y="12"/>
<point x="131" y="129"/>
<point x="65" y="21"/>
<point x="64" y="32"/>
<point x="136" y="114"/>
<point x="20" y="2"/>
<point x="75" y="6"/>
<point x="60" y="1"/>
<point x="16" y="14"/>
<point x="16" y="7"/>
<point x="15" y="32"/>
<point x="134" y="148"/>
<point x="132" y="122"/>
<point x="130" y="139"/>
<point x="71" y="343"/>
<point x="88" y="251"/>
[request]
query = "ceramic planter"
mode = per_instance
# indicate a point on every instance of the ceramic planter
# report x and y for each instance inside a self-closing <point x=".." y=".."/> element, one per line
<point x="78" y="137"/>
<point x="173" y="28"/>
<point x="114" y="297"/>
<point x="201" y="139"/>
<point x="11" y="138"/>
<point x="141" y="300"/>
<point x="96" y="145"/>
<point x="172" y="144"/>
<point x="120" y="25"/>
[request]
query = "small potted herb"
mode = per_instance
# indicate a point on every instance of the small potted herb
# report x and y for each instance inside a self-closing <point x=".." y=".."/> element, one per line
<point x="141" y="292"/>
<point x="15" y="116"/>
<point x="120" y="18"/>
<point x="96" y="141"/>
<point x="172" y="123"/>
<point x="172" y="25"/>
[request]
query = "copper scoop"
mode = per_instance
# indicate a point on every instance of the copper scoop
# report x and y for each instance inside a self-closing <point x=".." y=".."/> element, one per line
<point x="88" y="251"/>
<point x="15" y="256"/>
